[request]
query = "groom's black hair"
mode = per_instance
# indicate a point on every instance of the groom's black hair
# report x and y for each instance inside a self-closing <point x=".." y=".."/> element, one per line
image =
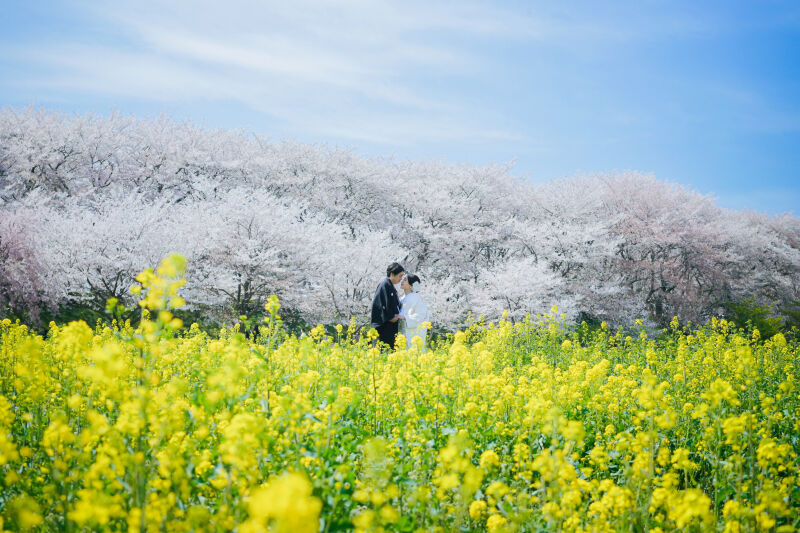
<point x="413" y="278"/>
<point x="394" y="268"/>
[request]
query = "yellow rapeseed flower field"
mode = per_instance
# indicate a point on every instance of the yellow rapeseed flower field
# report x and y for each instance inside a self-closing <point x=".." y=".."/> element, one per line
<point x="502" y="427"/>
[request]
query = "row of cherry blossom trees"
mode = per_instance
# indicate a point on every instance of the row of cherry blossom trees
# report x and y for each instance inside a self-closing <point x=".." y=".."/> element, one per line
<point x="86" y="202"/>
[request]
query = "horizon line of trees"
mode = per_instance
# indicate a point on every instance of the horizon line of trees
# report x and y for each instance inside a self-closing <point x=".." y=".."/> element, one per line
<point x="86" y="202"/>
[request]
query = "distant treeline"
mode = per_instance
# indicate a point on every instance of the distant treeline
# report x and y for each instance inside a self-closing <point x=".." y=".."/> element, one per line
<point x="86" y="202"/>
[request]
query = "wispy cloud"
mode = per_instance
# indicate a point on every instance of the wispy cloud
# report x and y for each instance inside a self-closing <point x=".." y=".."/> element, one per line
<point x="360" y="69"/>
<point x="351" y="69"/>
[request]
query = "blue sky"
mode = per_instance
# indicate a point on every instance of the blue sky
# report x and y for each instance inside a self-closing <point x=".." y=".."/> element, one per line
<point x="706" y="94"/>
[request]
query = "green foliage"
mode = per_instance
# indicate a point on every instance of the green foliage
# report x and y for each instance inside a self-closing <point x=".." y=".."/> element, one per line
<point x="69" y="312"/>
<point x="791" y="315"/>
<point x="746" y="314"/>
<point x="750" y="315"/>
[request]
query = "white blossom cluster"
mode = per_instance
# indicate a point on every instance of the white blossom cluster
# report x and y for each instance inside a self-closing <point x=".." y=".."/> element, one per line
<point x="86" y="202"/>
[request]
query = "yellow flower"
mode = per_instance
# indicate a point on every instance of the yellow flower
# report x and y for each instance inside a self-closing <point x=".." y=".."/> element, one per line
<point x="498" y="489"/>
<point x="681" y="461"/>
<point x="25" y="511"/>
<point x="477" y="508"/>
<point x="721" y="391"/>
<point x="287" y="501"/>
<point x="495" y="522"/>
<point x="172" y="266"/>
<point x="219" y="482"/>
<point x="212" y="421"/>
<point x="691" y="506"/>
<point x="389" y="514"/>
<point x="489" y="459"/>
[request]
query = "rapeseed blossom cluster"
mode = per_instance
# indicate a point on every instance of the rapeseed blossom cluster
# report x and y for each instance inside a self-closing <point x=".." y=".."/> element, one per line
<point x="501" y="427"/>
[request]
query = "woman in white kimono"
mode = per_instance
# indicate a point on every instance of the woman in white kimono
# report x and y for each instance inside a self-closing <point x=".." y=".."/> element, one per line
<point x="413" y="310"/>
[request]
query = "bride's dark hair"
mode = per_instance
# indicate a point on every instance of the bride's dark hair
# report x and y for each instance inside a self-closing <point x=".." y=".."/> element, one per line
<point x="413" y="278"/>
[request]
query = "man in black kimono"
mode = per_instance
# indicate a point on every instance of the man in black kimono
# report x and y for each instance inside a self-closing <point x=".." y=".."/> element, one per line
<point x="386" y="305"/>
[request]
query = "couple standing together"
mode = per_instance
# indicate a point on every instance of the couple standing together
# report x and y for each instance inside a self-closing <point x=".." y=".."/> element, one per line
<point x="392" y="314"/>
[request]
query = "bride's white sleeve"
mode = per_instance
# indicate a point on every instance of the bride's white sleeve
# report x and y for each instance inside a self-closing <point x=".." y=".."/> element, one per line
<point x="416" y="314"/>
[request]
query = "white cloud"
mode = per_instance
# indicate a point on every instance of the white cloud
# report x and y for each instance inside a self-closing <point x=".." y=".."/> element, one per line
<point x="358" y="70"/>
<point x="381" y="71"/>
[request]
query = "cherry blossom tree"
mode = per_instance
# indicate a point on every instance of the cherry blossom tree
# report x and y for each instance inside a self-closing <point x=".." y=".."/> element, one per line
<point x="87" y="201"/>
<point x="21" y="273"/>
